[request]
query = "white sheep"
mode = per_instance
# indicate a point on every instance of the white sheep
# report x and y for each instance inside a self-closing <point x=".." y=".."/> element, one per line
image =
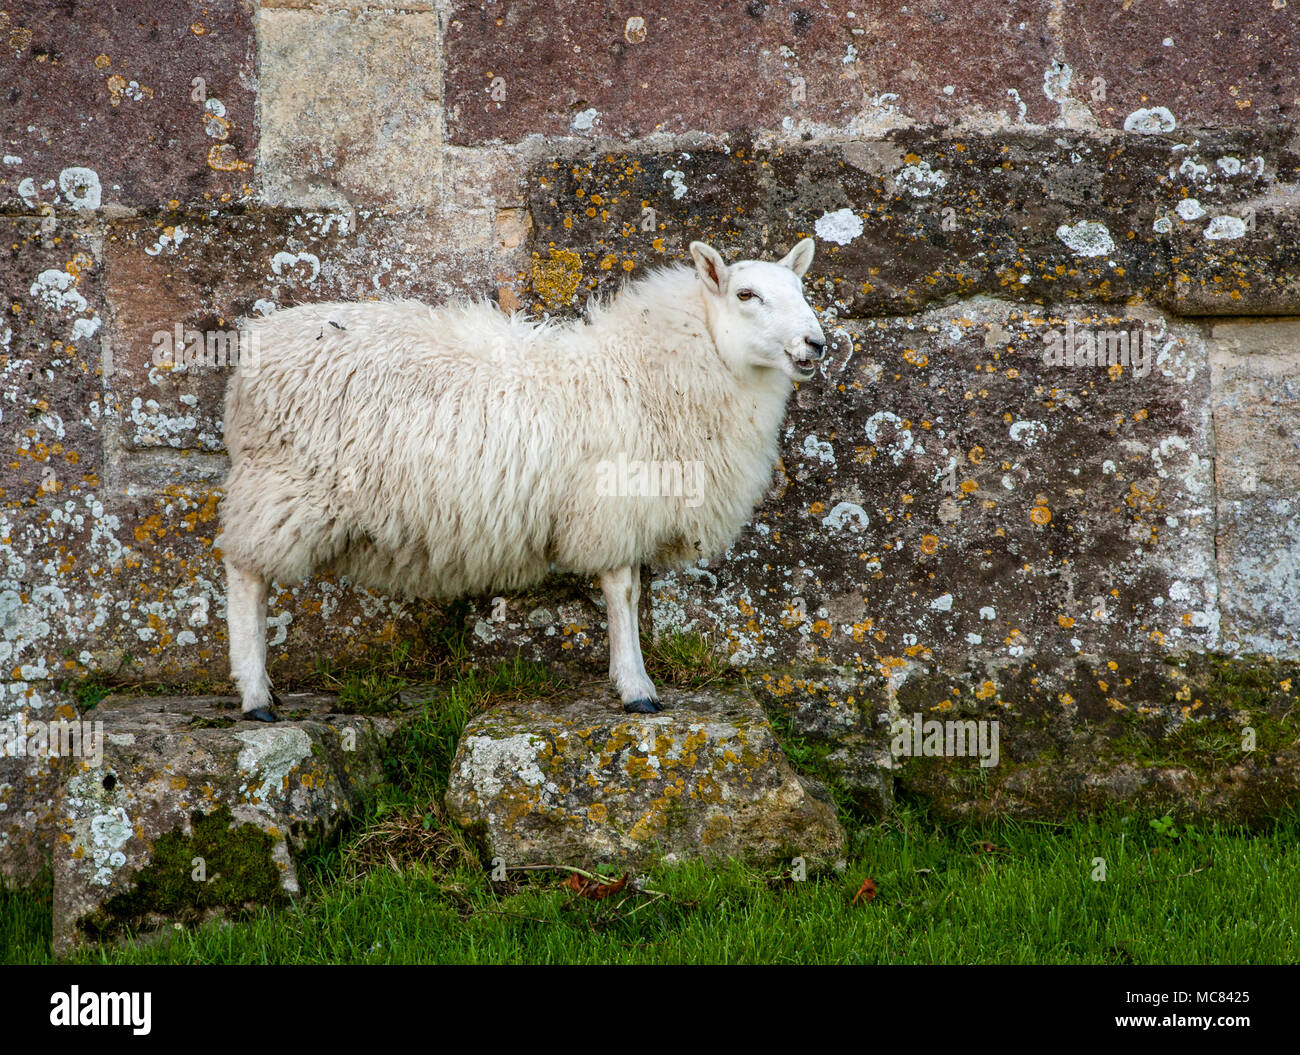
<point x="437" y="452"/>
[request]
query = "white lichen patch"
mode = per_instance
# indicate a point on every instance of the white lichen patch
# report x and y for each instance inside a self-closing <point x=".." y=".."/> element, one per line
<point x="268" y="757"/>
<point x="80" y="187"/>
<point x="155" y="427"/>
<point x="492" y="762"/>
<point x="57" y="290"/>
<point x="819" y="449"/>
<point x="1225" y="228"/>
<point x="1027" y="432"/>
<point x="1056" y="82"/>
<point x="678" y="179"/>
<point x="108" y="833"/>
<point x="902" y="442"/>
<point x="920" y="180"/>
<point x="840" y="227"/>
<point x="846" y="514"/>
<point x="1087" y="238"/>
<point x="294" y="264"/>
<point x="171" y="237"/>
<point x="1155" y="120"/>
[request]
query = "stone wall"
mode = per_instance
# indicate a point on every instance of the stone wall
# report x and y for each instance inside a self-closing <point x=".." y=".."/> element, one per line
<point x="958" y="522"/>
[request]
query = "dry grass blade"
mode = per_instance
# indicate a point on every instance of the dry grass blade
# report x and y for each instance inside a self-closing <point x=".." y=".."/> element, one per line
<point x="403" y="839"/>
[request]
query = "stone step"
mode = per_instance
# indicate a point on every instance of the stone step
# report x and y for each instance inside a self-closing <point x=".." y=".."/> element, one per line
<point x="579" y="782"/>
<point x="191" y="811"/>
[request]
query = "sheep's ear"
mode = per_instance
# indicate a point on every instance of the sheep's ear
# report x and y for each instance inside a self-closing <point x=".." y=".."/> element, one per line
<point x="799" y="259"/>
<point x="710" y="266"/>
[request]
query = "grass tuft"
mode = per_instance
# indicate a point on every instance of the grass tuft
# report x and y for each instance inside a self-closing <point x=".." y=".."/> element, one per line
<point x="688" y="659"/>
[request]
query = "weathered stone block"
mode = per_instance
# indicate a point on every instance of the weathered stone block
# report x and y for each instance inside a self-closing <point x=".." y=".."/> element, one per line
<point x="516" y="70"/>
<point x="1149" y="67"/>
<point x="180" y="286"/>
<point x="1256" y="396"/>
<point x="1239" y="258"/>
<point x="51" y="288"/>
<point x="521" y="69"/>
<point x="191" y="812"/>
<point x="29" y="776"/>
<point x="351" y="109"/>
<point x="931" y="63"/>
<point x="580" y="782"/>
<point x="122" y="106"/>
<point x="921" y="219"/>
<point x="51" y="312"/>
<point x="1054" y="736"/>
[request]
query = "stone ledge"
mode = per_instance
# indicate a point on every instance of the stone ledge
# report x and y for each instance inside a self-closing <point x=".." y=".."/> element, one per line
<point x="584" y="783"/>
<point x="183" y="779"/>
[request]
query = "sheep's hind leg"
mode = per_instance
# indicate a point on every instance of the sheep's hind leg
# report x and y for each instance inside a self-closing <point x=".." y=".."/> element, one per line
<point x="622" y="590"/>
<point x="246" y="625"/>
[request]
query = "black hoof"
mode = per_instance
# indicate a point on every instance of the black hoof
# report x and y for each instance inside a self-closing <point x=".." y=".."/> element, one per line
<point x="261" y="714"/>
<point x="645" y="706"/>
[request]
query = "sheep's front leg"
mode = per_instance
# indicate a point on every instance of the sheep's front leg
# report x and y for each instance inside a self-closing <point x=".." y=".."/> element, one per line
<point x="622" y="590"/>
<point x="246" y="628"/>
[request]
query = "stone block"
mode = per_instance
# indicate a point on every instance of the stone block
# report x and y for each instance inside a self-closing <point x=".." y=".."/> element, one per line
<point x="1152" y="68"/>
<point x="29" y="778"/>
<point x="921" y="219"/>
<point x="187" y="812"/>
<point x="51" y="326"/>
<point x="110" y="106"/>
<point x="1256" y="405"/>
<point x="579" y="782"/>
<point x="554" y="69"/>
<point x="351" y="108"/>
<point x="1202" y="736"/>
<point x="200" y="277"/>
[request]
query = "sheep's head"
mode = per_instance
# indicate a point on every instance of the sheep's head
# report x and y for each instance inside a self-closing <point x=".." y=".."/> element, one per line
<point x="757" y="312"/>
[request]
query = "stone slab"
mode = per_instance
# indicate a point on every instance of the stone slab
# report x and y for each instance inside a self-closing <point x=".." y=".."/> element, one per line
<point x="124" y="105"/>
<point x="579" y="782"/>
<point x="189" y="811"/>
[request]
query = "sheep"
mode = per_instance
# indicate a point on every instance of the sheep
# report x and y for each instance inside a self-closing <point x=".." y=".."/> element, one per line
<point x="437" y="452"/>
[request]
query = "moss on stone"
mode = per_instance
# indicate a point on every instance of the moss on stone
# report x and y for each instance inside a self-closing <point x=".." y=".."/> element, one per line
<point x="238" y="872"/>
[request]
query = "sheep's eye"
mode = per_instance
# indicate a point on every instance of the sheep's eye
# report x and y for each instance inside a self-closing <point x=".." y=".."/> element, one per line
<point x="748" y="294"/>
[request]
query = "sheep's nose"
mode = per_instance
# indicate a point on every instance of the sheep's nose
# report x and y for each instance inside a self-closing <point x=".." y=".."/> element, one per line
<point x="818" y="346"/>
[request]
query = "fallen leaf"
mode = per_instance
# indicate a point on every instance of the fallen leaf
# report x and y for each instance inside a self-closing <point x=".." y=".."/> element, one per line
<point x="866" y="891"/>
<point x="592" y="889"/>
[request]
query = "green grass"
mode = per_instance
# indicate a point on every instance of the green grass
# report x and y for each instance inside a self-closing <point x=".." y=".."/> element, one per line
<point x="1005" y="893"/>
<point x="25" y="922"/>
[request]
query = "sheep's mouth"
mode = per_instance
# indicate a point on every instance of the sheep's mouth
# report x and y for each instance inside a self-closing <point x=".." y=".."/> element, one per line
<point x="803" y="368"/>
